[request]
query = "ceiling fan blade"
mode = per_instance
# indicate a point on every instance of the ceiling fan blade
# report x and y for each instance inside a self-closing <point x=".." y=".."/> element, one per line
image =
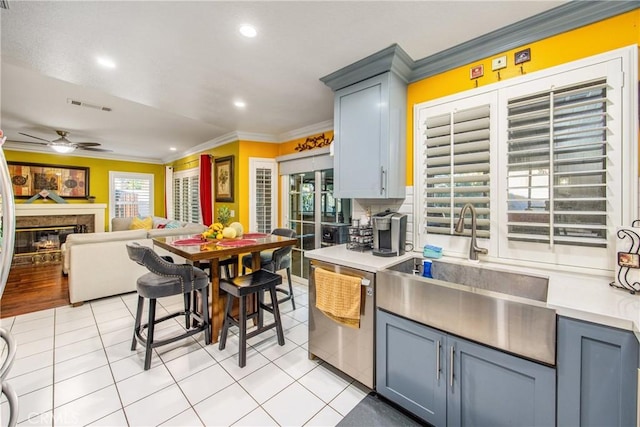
<point x="27" y="142"/>
<point x="35" y="137"/>
<point x="104" y="150"/>
<point x="87" y="144"/>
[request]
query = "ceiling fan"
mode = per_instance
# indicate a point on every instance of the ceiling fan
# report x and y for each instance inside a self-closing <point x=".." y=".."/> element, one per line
<point x="63" y="145"/>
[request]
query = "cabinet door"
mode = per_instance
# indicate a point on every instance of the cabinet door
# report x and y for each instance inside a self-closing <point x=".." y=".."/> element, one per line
<point x="410" y="368"/>
<point x="597" y="377"/>
<point x="490" y="388"/>
<point x="361" y="124"/>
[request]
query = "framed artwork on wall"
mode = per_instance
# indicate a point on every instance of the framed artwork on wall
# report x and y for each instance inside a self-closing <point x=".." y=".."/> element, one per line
<point x="223" y="178"/>
<point x="29" y="179"/>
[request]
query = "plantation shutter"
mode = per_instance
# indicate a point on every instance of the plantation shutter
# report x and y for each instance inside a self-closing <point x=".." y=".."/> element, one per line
<point x="456" y="149"/>
<point x="264" y="199"/>
<point x="132" y="195"/>
<point x="186" y="202"/>
<point x="557" y="166"/>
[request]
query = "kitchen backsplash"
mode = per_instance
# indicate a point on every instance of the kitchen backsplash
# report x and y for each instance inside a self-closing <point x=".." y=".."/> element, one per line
<point x="405" y="206"/>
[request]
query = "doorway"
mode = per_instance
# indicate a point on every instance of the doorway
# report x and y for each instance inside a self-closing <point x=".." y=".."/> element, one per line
<point x="311" y="208"/>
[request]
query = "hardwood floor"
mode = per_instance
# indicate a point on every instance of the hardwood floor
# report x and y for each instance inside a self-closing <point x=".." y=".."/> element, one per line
<point x="34" y="287"/>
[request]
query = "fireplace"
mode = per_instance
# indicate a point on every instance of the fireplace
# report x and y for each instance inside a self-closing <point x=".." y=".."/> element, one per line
<point x="41" y="229"/>
<point x="38" y="245"/>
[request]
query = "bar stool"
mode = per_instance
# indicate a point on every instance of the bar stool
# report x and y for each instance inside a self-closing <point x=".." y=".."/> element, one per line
<point x="276" y="260"/>
<point x="242" y="287"/>
<point x="166" y="279"/>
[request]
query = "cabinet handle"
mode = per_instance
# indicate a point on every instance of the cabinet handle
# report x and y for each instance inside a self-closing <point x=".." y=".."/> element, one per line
<point x="438" y="360"/>
<point x="382" y="180"/>
<point x="451" y="352"/>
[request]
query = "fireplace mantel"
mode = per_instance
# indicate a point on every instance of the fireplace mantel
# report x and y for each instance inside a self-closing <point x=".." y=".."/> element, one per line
<point x="46" y="209"/>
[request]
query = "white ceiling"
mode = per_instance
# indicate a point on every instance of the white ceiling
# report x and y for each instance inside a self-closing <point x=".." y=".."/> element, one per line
<point x="181" y="64"/>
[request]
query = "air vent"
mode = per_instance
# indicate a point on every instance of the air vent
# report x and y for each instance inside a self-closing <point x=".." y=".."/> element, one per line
<point x="4" y="4"/>
<point x="86" y="104"/>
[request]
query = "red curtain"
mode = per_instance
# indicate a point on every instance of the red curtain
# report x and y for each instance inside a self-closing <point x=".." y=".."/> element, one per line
<point x="206" y="190"/>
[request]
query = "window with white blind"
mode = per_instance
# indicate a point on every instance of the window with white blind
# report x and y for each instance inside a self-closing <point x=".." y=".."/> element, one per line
<point x="130" y="194"/>
<point x="263" y="189"/>
<point x="186" y="199"/>
<point x="557" y="175"/>
<point x="456" y="148"/>
<point x="557" y="165"/>
<point x="456" y="155"/>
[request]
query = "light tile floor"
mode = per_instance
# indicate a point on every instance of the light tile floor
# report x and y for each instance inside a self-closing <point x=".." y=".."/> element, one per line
<point x="74" y="367"/>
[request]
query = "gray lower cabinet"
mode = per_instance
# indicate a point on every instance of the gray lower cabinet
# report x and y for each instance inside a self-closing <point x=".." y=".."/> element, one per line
<point x="448" y="381"/>
<point x="597" y="375"/>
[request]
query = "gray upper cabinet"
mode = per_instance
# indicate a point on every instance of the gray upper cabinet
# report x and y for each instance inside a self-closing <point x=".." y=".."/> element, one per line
<point x="370" y="123"/>
<point x="370" y="138"/>
<point x="597" y="375"/>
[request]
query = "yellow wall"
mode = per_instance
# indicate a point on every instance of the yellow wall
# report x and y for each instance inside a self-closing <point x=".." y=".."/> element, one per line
<point x="98" y="175"/>
<point x="242" y="151"/>
<point x="609" y="34"/>
<point x="192" y="161"/>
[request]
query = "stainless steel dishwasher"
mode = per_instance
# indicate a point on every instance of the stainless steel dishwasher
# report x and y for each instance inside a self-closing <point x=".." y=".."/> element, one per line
<point x="349" y="350"/>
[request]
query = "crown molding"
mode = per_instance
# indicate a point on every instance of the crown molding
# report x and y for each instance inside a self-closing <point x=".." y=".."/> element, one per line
<point x="303" y="132"/>
<point x="563" y="18"/>
<point x="392" y="58"/>
<point x="17" y="146"/>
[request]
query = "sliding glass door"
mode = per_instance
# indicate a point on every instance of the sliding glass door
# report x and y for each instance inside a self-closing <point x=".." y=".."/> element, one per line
<point x="312" y="208"/>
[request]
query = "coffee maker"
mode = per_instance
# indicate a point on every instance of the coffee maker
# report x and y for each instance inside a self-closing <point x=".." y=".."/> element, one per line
<point x="389" y="233"/>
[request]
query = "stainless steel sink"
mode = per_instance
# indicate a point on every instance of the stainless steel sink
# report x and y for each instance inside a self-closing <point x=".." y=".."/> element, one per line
<point x="482" y="277"/>
<point x="495" y="307"/>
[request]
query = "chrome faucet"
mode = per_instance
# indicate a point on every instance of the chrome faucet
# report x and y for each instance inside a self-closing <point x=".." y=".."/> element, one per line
<point x="474" y="250"/>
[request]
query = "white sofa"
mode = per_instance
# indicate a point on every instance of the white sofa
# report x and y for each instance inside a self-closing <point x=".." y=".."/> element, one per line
<point x="98" y="264"/>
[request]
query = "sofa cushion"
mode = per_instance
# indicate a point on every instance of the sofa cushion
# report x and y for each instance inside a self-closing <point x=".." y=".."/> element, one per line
<point x="173" y="225"/>
<point x="138" y="223"/>
<point x="188" y="230"/>
<point x="86" y="238"/>
<point x="120" y="224"/>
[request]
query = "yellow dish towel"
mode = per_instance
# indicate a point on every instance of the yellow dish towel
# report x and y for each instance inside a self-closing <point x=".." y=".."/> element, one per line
<point x="338" y="297"/>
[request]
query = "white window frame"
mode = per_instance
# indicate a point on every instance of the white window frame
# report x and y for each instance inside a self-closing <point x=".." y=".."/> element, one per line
<point x="620" y="67"/>
<point x="187" y="173"/>
<point x="452" y="242"/>
<point x="113" y="176"/>
<point x="256" y="163"/>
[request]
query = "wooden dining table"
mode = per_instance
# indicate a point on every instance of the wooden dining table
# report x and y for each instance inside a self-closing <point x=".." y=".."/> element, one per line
<point x="194" y="250"/>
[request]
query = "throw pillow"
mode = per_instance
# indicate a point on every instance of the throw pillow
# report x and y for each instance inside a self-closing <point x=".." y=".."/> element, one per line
<point x="141" y="223"/>
<point x="161" y="225"/>
<point x="172" y="224"/>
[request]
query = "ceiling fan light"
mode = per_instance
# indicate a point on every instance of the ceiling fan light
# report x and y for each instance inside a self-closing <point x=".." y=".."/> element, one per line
<point x="62" y="148"/>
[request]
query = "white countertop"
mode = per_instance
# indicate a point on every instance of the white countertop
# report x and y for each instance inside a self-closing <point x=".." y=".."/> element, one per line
<point x="576" y="295"/>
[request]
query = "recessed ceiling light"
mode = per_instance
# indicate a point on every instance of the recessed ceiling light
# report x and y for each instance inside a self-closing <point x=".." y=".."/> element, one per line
<point x="240" y="104"/>
<point x="106" y="62"/>
<point x="173" y="149"/>
<point x="248" y="31"/>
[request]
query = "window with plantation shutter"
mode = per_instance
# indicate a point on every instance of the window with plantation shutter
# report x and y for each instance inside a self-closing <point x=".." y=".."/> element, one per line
<point x="557" y="166"/>
<point x="263" y="190"/>
<point x="130" y="194"/>
<point x="456" y="149"/>
<point x="549" y="160"/>
<point x="186" y="200"/>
